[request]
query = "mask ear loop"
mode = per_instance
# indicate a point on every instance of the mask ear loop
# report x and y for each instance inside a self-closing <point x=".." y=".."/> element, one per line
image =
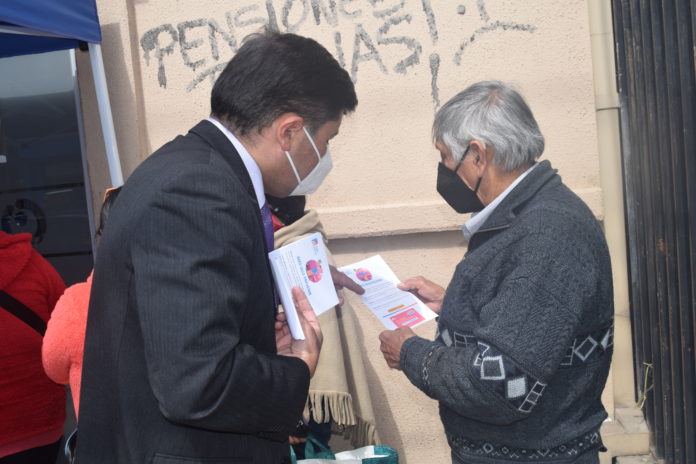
<point x="459" y="164"/>
<point x="478" y="183"/>
<point x="311" y="140"/>
<point x="294" y="169"/>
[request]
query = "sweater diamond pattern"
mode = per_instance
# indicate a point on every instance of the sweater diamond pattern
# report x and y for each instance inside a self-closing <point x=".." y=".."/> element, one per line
<point x="505" y="378"/>
<point x="509" y="381"/>
<point x="588" y="442"/>
<point x="590" y="347"/>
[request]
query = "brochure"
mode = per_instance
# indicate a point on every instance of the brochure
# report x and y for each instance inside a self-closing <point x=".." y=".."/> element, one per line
<point x="393" y="307"/>
<point x="303" y="264"/>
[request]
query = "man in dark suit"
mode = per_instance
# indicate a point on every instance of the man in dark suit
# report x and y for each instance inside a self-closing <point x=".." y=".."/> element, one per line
<point x="185" y="359"/>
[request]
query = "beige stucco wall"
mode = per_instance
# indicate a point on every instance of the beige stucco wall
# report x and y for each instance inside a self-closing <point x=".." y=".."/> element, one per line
<point x="407" y="57"/>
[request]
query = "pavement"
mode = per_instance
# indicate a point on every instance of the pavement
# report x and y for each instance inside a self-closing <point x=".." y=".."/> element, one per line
<point x="644" y="459"/>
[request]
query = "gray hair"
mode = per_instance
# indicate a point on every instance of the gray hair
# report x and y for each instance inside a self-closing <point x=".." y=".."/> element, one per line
<point x="494" y="113"/>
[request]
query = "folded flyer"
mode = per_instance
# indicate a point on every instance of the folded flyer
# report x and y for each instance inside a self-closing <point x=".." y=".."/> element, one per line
<point x="303" y="264"/>
<point x="392" y="306"/>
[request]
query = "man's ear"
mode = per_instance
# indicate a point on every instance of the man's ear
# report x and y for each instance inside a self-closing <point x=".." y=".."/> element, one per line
<point x="479" y="155"/>
<point x="285" y="127"/>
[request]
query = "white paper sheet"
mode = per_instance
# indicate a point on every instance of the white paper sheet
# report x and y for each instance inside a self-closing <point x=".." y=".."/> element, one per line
<point x="393" y="307"/>
<point x="303" y="264"/>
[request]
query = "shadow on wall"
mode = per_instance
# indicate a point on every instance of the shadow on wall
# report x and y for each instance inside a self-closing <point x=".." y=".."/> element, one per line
<point x="128" y="108"/>
<point x="385" y="422"/>
<point x="407" y="419"/>
<point x="143" y="138"/>
<point x="126" y="105"/>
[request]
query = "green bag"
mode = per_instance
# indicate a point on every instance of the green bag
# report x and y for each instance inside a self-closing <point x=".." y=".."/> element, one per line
<point x="316" y="453"/>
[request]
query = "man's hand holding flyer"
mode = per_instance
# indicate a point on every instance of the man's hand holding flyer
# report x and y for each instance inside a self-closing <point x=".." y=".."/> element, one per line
<point x="393" y="307"/>
<point x="303" y="264"/>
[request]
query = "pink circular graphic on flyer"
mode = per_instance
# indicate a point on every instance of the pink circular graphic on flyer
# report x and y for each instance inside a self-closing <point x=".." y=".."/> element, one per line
<point x="314" y="270"/>
<point x="363" y="274"/>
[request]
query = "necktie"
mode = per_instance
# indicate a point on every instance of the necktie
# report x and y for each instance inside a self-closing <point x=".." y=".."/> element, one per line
<point x="267" y="225"/>
<point x="268" y="232"/>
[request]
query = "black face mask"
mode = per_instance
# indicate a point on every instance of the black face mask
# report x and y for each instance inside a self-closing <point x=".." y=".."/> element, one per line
<point x="455" y="192"/>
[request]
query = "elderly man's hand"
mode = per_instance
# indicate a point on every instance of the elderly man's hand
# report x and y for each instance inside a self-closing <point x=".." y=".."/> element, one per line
<point x="392" y="340"/>
<point x="425" y="290"/>
<point x="342" y="281"/>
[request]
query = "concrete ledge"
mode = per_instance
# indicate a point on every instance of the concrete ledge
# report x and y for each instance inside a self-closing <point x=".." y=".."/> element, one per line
<point x="644" y="459"/>
<point x="375" y="220"/>
<point x="626" y="435"/>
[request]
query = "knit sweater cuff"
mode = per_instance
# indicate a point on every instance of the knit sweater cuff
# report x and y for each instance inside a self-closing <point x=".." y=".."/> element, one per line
<point x="416" y="354"/>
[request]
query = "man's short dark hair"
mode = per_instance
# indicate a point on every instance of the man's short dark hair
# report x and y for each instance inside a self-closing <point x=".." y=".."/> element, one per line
<point x="274" y="73"/>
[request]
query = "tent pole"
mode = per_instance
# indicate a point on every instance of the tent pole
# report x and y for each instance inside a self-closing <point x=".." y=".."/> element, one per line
<point x="107" y="121"/>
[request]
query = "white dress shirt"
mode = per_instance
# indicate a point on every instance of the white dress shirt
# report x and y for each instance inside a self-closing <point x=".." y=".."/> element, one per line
<point x="472" y="226"/>
<point x="249" y="163"/>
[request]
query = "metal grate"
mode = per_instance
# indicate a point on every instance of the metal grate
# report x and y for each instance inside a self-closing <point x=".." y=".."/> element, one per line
<point x="655" y="57"/>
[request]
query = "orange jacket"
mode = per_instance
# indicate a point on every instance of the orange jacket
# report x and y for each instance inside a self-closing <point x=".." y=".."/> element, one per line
<point x="64" y="341"/>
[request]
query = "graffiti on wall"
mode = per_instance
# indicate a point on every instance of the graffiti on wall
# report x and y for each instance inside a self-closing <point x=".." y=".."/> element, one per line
<point x="204" y="45"/>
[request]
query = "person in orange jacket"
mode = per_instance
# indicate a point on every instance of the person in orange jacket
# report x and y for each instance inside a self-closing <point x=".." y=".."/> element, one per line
<point x="64" y="341"/>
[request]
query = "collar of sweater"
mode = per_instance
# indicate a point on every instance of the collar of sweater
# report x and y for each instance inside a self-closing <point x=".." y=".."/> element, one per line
<point x="508" y="209"/>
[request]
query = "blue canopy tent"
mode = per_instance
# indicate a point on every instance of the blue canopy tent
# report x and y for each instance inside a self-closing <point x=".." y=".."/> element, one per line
<point x="39" y="26"/>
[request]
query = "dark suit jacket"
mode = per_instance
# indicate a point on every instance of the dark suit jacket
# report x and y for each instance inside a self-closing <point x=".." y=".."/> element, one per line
<point x="180" y="363"/>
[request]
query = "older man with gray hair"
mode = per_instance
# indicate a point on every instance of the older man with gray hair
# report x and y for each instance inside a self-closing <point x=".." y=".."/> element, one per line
<point x="525" y="326"/>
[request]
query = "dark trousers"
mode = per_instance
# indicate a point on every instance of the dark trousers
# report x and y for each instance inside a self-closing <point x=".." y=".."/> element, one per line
<point x="40" y="455"/>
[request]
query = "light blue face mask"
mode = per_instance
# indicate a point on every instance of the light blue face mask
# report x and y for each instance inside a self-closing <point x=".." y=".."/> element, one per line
<point x="311" y="183"/>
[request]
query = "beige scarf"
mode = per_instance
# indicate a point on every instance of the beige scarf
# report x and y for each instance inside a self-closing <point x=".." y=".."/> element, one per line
<point x="339" y="388"/>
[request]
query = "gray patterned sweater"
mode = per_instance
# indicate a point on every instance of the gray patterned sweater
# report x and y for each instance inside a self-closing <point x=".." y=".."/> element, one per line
<point x="525" y="331"/>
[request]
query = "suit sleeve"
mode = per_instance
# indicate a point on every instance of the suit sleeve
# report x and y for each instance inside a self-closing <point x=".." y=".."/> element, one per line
<point x="525" y="331"/>
<point x="192" y="276"/>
